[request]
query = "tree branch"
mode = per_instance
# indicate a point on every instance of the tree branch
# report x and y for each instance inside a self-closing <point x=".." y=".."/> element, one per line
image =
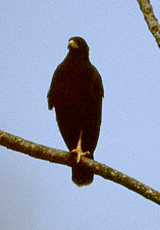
<point x="61" y="157"/>
<point x="150" y="18"/>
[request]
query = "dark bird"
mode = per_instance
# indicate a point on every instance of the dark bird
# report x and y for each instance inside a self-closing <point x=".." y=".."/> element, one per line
<point x="76" y="92"/>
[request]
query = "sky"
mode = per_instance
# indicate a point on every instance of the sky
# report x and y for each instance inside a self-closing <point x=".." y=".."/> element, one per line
<point x="39" y="195"/>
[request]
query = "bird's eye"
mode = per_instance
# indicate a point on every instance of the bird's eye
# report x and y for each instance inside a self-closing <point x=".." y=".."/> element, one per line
<point x="73" y="44"/>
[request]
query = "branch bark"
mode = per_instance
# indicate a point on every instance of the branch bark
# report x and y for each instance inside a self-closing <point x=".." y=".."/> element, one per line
<point x="150" y="18"/>
<point x="61" y="157"/>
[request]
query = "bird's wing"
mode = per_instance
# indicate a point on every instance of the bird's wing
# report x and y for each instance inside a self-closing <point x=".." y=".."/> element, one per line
<point x="55" y="87"/>
<point x="97" y="83"/>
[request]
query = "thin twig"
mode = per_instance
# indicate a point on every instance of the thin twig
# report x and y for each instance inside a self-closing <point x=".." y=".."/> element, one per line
<point x="150" y="18"/>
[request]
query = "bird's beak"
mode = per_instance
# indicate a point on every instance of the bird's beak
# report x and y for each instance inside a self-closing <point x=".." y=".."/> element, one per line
<point x="73" y="44"/>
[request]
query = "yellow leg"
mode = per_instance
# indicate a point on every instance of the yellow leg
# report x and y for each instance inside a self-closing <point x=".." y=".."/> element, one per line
<point x="78" y="149"/>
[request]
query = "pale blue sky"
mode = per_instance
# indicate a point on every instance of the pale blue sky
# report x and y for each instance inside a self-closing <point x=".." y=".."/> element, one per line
<point x="39" y="195"/>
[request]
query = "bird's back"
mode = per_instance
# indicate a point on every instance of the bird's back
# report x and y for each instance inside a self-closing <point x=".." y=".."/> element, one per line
<point x="77" y="98"/>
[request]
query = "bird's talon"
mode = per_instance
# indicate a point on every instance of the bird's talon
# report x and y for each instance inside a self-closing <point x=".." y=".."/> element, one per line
<point x="80" y="154"/>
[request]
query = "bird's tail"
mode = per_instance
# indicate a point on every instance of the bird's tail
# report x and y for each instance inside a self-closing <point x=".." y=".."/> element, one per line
<point x="82" y="175"/>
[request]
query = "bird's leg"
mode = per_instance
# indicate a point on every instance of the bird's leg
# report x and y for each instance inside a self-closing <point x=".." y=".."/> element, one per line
<point x="78" y="149"/>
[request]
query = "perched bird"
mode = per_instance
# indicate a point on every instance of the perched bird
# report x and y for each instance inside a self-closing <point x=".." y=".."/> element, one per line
<point x="76" y="92"/>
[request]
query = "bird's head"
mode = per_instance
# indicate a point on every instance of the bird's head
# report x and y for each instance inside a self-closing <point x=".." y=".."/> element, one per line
<point x="78" y="46"/>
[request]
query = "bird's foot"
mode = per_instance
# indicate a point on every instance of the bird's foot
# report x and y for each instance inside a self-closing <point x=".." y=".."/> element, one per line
<point x="80" y="153"/>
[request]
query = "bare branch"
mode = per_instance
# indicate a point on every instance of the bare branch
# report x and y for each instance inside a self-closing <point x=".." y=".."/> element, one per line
<point x="61" y="157"/>
<point x="150" y="18"/>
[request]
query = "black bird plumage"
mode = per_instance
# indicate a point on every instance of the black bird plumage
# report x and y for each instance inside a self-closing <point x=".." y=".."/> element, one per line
<point x="76" y="92"/>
